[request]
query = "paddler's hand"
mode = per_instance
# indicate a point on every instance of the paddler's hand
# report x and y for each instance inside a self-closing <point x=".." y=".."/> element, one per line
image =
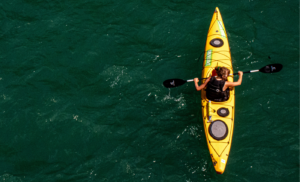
<point x="240" y="73"/>
<point x="196" y="80"/>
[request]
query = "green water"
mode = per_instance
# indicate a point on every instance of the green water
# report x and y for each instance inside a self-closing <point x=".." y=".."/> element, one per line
<point x="82" y="96"/>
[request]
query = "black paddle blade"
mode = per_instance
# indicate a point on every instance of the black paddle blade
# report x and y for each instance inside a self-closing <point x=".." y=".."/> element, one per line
<point x="271" y="68"/>
<point x="174" y="83"/>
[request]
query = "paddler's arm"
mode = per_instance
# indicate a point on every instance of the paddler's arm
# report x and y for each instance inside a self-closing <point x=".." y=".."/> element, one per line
<point x="233" y="84"/>
<point x="203" y="85"/>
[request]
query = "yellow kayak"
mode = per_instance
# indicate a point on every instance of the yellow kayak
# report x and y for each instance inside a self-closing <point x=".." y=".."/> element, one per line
<point x="218" y="117"/>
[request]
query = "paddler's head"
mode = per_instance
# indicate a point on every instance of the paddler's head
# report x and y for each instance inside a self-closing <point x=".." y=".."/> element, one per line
<point x="222" y="72"/>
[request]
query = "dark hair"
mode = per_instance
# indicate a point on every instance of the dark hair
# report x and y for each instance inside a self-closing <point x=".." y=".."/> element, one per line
<point x="222" y="71"/>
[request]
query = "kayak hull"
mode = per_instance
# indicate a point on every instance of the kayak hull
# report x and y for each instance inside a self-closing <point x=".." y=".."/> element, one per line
<point x="217" y="53"/>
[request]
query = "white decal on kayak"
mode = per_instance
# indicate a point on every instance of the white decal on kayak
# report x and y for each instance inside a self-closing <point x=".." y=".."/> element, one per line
<point x="222" y="29"/>
<point x="208" y="57"/>
<point x="223" y="161"/>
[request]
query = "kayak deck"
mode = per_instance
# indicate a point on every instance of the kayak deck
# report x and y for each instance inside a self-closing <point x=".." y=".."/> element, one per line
<point x="217" y="53"/>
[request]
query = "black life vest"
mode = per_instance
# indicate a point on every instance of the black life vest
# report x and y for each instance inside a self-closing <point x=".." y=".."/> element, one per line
<point x="214" y="90"/>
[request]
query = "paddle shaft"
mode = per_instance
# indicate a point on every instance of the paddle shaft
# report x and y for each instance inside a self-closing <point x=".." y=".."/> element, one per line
<point x="251" y="71"/>
<point x="191" y="80"/>
<point x="271" y="68"/>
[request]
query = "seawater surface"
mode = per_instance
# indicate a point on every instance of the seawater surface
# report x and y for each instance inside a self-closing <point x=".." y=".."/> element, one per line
<point x="82" y="96"/>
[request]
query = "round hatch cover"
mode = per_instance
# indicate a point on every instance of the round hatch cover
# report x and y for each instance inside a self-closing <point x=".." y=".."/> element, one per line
<point x="218" y="130"/>
<point x="223" y="112"/>
<point x="217" y="42"/>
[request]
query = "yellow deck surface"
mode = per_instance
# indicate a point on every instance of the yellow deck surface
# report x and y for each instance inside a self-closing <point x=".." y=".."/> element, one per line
<point x="219" y="150"/>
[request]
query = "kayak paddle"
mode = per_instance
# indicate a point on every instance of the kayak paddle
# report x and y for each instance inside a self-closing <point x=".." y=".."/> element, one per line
<point x="176" y="82"/>
<point x="271" y="68"/>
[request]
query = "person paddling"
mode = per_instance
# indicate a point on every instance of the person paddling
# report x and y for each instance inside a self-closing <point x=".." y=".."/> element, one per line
<point x="218" y="87"/>
<point x="203" y="85"/>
